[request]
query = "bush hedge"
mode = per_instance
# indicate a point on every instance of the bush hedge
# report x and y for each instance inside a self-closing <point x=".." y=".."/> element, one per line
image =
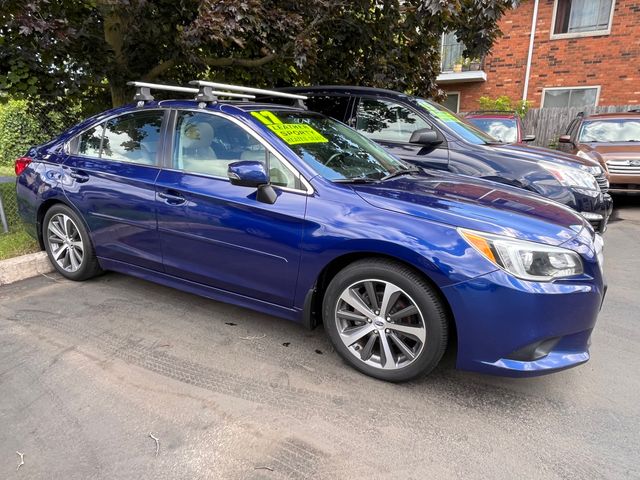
<point x="23" y="125"/>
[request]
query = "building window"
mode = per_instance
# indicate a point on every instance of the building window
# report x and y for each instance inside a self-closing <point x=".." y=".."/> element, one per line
<point x="582" y="17"/>
<point x="570" y="97"/>
<point x="452" y="102"/>
<point x="451" y="51"/>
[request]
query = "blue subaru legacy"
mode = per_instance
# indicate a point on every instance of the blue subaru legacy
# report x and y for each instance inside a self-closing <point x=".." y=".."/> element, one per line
<point x="290" y="213"/>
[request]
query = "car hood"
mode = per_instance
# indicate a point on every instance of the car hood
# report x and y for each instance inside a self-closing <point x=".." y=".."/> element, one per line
<point x="537" y="154"/>
<point x="476" y="204"/>
<point x="614" y="151"/>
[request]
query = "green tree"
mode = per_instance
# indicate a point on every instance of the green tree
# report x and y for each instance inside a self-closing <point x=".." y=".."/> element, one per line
<point x="89" y="48"/>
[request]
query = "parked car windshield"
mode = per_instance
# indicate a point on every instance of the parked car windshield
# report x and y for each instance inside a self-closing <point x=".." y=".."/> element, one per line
<point x="451" y="121"/>
<point x="502" y="129"/>
<point x="608" y="131"/>
<point x="334" y="150"/>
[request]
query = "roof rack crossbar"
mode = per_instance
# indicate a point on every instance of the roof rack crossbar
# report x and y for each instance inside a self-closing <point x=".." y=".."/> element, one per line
<point x="245" y="90"/>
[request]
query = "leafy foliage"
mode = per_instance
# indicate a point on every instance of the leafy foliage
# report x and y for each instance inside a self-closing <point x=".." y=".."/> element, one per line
<point x="23" y="125"/>
<point x="90" y="48"/>
<point x="504" y="103"/>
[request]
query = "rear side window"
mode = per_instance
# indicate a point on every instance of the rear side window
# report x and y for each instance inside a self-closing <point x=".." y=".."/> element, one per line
<point x="89" y="143"/>
<point x="383" y="120"/>
<point x="335" y="107"/>
<point x="133" y="137"/>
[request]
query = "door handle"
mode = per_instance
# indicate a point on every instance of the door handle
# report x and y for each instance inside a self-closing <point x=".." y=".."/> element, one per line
<point x="79" y="176"/>
<point x="172" y="198"/>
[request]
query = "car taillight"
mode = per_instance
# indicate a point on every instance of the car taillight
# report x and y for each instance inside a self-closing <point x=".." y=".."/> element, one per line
<point x="21" y="164"/>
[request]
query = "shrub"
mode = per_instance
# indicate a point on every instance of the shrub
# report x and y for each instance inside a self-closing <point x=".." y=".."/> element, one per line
<point x="504" y="104"/>
<point x="19" y="130"/>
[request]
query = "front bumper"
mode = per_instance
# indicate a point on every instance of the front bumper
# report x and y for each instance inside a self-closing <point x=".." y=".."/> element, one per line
<point x="517" y="328"/>
<point x="599" y="216"/>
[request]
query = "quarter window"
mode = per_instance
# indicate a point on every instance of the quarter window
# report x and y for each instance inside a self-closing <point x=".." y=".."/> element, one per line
<point x="207" y="144"/>
<point x="331" y="106"/>
<point x="582" y="16"/>
<point x="383" y="120"/>
<point x="133" y="137"/>
<point x="89" y="144"/>
<point x="570" y="97"/>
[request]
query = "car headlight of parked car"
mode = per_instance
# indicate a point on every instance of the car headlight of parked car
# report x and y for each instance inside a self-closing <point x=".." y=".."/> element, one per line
<point x="583" y="180"/>
<point x="524" y="259"/>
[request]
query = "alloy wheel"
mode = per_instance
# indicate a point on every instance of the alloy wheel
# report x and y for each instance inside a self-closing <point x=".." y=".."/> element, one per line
<point x="380" y="324"/>
<point x="65" y="242"/>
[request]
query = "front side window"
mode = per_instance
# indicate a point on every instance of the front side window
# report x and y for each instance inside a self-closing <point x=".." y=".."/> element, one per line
<point x="503" y="129"/>
<point x="207" y="144"/>
<point x="570" y="97"/>
<point x="133" y="137"/>
<point x="332" y="149"/>
<point x="383" y="120"/>
<point x="582" y="16"/>
<point x="610" y="131"/>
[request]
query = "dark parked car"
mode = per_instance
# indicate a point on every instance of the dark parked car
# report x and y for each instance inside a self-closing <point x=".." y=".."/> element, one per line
<point x="506" y="127"/>
<point x="613" y="139"/>
<point x="296" y="215"/>
<point x="427" y="134"/>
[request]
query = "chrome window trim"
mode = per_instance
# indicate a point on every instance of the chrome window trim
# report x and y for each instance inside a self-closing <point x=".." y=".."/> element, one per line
<point x="308" y="189"/>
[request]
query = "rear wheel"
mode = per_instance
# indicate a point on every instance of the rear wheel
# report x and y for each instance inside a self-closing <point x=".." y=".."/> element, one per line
<point x="68" y="245"/>
<point x="385" y="320"/>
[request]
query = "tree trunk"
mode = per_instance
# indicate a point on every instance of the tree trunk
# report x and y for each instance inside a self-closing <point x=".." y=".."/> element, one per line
<point x="114" y="25"/>
<point x="119" y="94"/>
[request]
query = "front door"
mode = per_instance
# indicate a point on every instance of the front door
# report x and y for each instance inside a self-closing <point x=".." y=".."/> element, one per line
<point x="391" y="124"/>
<point x="109" y="177"/>
<point x="218" y="234"/>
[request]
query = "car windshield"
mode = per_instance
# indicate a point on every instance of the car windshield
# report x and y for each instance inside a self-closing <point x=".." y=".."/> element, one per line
<point x="608" y="131"/>
<point x="334" y="150"/>
<point x="460" y="126"/>
<point x="503" y="129"/>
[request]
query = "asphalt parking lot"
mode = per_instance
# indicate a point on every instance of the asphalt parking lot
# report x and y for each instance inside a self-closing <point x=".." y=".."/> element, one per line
<point x="90" y="373"/>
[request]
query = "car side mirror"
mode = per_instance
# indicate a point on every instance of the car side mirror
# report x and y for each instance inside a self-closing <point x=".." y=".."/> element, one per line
<point x="248" y="173"/>
<point x="425" y="136"/>
<point x="564" y="139"/>
<point x="529" y="138"/>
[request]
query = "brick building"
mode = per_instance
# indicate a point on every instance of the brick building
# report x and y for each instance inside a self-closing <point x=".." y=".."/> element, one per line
<point x="581" y="53"/>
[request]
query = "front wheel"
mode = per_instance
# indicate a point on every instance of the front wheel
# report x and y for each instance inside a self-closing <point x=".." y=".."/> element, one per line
<point x="384" y="319"/>
<point x="68" y="245"/>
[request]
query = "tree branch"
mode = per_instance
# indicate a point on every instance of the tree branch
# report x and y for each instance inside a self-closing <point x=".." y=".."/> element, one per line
<point x="158" y="70"/>
<point x="242" y="62"/>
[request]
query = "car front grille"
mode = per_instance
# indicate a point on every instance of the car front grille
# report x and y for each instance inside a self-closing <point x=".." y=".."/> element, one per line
<point x="624" y="167"/>
<point x="603" y="182"/>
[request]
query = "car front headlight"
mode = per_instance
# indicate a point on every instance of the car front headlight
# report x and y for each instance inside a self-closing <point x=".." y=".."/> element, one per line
<point x="594" y="169"/>
<point x="573" y="177"/>
<point x="524" y="259"/>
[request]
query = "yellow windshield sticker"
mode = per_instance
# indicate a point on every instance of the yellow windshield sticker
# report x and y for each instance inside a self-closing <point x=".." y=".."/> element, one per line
<point x="266" y="117"/>
<point x="297" y="133"/>
<point x="292" y="133"/>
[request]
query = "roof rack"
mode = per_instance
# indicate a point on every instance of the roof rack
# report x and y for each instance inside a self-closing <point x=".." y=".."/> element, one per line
<point x="206" y="94"/>
<point x="143" y="92"/>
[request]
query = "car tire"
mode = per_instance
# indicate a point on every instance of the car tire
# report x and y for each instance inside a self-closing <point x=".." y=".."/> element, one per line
<point x="68" y="244"/>
<point x="399" y="335"/>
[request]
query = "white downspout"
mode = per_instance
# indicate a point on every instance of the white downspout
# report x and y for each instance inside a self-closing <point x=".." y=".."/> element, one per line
<point x="534" y="20"/>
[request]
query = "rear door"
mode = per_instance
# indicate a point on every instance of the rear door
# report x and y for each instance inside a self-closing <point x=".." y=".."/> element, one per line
<point x="219" y="234"/>
<point x="109" y="177"/>
<point x="391" y="124"/>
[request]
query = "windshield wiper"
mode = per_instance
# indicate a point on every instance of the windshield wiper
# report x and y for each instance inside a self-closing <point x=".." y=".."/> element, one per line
<point x="397" y="173"/>
<point x="355" y="180"/>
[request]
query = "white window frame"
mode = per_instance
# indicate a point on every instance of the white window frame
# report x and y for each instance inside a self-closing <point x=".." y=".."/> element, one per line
<point x="581" y="87"/>
<point x="594" y="33"/>
<point x="459" y="95"/>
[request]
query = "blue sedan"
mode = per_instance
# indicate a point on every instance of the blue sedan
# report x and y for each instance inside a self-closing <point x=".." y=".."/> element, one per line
<point x="290" y="213"/>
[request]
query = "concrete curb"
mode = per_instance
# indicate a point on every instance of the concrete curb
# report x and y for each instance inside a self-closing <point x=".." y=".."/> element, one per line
<point x="25" y="266"/>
